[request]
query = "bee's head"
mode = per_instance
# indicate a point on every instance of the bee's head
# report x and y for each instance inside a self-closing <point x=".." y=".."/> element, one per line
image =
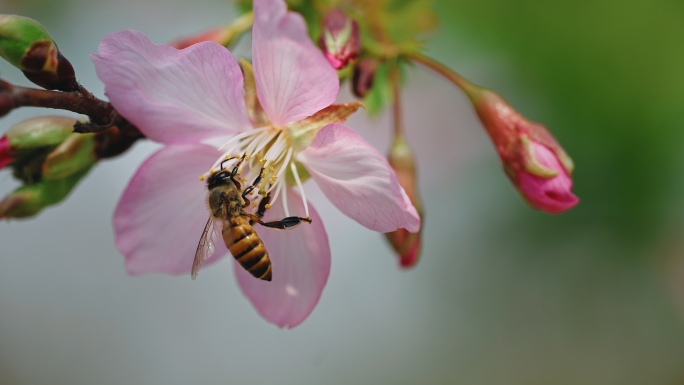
<point x="219" y="179"/>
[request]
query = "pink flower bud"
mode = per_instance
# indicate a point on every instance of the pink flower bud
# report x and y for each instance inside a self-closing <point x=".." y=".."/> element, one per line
<point x="5" y="157"/>
<point x="532" y="158"/>
<point x="364" y="75"/>
<point x="340" y="39"/>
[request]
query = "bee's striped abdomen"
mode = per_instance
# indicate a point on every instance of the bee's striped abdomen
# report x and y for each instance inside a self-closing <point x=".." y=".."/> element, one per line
<point x="247" y="248"/>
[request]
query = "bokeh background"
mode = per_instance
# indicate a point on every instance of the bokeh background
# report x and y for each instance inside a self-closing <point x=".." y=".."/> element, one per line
<point x="502" y="295"/>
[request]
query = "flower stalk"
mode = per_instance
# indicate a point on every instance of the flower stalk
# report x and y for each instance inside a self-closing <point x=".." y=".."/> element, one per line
<point x="401" y="158"/>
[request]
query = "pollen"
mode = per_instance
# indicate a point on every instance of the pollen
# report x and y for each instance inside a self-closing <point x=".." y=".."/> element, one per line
<point x="254" y="205"/>
<point x="201" y="178"/>
<point x="267" y="206"/>
<point x="262" y="160"/>
<point x="228" y="156"/>
<point x="211" y="170"/>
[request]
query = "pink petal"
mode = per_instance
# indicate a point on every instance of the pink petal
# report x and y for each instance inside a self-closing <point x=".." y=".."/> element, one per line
<point x="553" y="195"/>
<point x="162" y="213"/>
<point x="358" y="180"/>
<point x="294" y="80"/>
<point x="171" y="95"/>
<point x="301" y="265"/>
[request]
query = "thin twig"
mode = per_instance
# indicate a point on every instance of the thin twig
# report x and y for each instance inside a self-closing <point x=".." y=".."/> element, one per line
<point x="469" y="88"/>
<point x="395" y="80"/>
<point x="101" y="114"/>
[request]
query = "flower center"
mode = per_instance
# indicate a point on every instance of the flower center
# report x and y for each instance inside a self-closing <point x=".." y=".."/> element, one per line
<point x="263" y="156"/>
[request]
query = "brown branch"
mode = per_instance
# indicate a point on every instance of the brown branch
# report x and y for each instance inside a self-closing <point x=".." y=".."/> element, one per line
<point x="81" y="101"/>
<point x="102" y="115"/>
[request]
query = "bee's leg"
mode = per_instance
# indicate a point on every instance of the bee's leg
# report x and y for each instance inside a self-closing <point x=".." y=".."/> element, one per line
<point x="262" y="208"/>
<point x="231" y="158"/>
<point x="251" y="188"/>
<point x="282" y="224"/>
<point x="235" y="172"/>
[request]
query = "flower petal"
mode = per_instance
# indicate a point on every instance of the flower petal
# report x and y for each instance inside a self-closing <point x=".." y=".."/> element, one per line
<point x="161" y="215"/>
<point x="301" y="265"/>
<point x="171" y="95"/>
<point x="294" y="80"/>
<point x="358" y="180"/>
<point x="552" y="195"/>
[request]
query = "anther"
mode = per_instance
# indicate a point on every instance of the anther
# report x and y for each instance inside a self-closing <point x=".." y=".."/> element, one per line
<point x="267" y="206"/>
<point x="202" y="178"/>
<point x="211" y="171"/>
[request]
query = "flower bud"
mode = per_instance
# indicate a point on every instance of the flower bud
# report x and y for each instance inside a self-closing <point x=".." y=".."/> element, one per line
<point x="5" y="156"/>
<point x="51" y="141"/>
<point x="28" y="46"/>
<point x="44" y="131"/>
<point x="532" y="158"/>
<point x="30" y="199"/>
<point x="405" y="244"/>
<point x="364" y="74"/>
<point x="340" y="39"/>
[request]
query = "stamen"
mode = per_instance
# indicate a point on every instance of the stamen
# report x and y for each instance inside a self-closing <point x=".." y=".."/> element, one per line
<point x="255" y="142"/>
<point x="301" y="188"/>
<point x="243" y="135"/>
<point x="277" y="187"/>
<point x="268" y="139"/>
<point x="287" y="212"/>
<point x="285" y="163"/>
<point x="276" y="148"/>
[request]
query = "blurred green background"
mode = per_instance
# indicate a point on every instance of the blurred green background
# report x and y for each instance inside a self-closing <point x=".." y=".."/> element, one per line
<point x="503" y="294"/>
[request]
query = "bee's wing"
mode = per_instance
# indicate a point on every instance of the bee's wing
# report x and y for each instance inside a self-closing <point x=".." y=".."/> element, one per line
<point x="205" y="248"/>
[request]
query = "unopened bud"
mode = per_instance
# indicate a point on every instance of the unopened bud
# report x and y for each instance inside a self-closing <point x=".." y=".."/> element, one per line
<point x="5" y="156"/>
<point x="28" y="46"/>
<point x="40" y="132"/>
<point x="364" y="74"/>
<point x="406" y="245"/>
<point x="30" y="199"/>
<point x="340" y="39"/>
<point x="534" y="161"/>
<point x="76" y="153"/>
<point x="222" y="35"/>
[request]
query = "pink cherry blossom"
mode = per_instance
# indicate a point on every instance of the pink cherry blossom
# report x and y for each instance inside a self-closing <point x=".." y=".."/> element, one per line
<point x="185" y="98"/>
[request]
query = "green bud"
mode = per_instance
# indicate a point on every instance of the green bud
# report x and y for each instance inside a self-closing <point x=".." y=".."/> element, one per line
<point x="28" y="46"/>
<point x="17" y="35"/>
<point x="30" y="199"/>
<point x="76" y="153"/>
<point x="40" y="132"/>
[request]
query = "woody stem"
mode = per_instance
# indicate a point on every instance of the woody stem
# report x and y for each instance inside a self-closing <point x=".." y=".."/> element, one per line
<point x="102" y="115"/>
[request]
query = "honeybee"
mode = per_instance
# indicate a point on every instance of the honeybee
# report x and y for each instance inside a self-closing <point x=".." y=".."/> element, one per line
<point x="227" y="202"/>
